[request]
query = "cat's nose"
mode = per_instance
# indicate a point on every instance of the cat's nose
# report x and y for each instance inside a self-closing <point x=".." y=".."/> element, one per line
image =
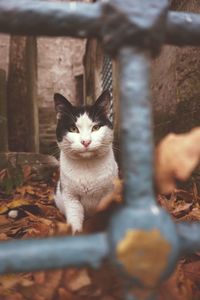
<point x="86" y="143"/>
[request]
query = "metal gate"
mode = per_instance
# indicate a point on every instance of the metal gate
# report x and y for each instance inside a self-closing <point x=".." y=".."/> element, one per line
<point x="142" y="240"/>
<point x="106" y="79"/>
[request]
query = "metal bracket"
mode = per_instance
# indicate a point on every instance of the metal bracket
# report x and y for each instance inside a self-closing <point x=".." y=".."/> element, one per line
<point x="141" y="24"/>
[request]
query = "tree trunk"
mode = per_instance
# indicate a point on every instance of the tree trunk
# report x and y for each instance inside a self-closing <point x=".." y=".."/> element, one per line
<point x="3" y="113"/>
<point x="22" y="98"/>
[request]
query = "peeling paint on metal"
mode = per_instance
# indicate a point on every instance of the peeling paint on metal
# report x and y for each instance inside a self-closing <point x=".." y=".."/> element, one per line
<point x="144" y="255"/>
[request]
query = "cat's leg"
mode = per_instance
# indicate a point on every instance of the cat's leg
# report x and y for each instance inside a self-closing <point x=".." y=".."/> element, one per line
<point x="71" y="208"/>
<point x="58" y="198"/>
<point x="74" y="212"/>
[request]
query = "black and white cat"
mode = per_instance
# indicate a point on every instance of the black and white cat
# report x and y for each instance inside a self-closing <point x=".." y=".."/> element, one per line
<point x="87" y="163"/>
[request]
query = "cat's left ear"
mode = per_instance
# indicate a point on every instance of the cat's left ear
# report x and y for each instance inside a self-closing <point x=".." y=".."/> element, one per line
<point x="61" y="105"/>
<point x="103" y="102"/>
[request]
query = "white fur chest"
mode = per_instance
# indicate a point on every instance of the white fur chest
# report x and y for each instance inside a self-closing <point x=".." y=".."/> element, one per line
<point x="88" y="179"/>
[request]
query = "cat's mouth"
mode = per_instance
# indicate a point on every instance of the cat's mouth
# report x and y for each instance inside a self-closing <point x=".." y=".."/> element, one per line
<point x="86" y="154"/>
<point x="87" y="150"/>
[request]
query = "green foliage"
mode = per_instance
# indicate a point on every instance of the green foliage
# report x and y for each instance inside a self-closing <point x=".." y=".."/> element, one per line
<point x="10" y="178"/>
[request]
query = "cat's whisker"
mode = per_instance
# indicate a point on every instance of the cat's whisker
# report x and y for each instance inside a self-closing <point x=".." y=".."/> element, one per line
<point x="55" y="153"/>
<point x="117" y="149"/>
<point x="54" y="150"/>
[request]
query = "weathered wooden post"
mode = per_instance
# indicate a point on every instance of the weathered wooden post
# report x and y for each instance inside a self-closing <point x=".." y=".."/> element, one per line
<point x="3" y="113"/>
<point x="22" y="98"/>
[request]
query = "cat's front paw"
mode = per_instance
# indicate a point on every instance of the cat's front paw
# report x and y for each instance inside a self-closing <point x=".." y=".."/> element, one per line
<point x="76" y="227"/>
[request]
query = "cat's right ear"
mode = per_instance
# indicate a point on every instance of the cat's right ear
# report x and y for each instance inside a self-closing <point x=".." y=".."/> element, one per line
<point x="61" y="105"/>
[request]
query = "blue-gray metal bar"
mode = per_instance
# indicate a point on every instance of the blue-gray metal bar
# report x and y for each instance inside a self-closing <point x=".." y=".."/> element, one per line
<point x="51" y="19"/>
<point x="183" y="29"/>
<point x="49" y="253"/>
<point x="189" y="237"/>
<point x="136" y="126"/>
<point x="82" y="20"/>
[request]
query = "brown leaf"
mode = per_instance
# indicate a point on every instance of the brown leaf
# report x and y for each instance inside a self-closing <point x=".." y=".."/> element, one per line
<point x="39" y="277"/>
<point x="11" y="281"/>
<point x="26" y="171"/>
<point x="16" y="203"/>
<point x="4" y="220"/>
<point x="182" y="209"/>
<point x="115" y="196"/>
<point x="63" y="228"/>
<point x="25" y="189"/>
<point x="77" y="279"/>
<point x="43" y="291"/>
<point x="169" y="204"/>
<point x="3" y="174"/>
<point x="193" y="215"/>
<point x="14" y="296"/>
<point x="192" y="271"/>
<point x="175" y="158"/>
<point x="38" y="297"/>
<point x="184" y="195"/>
<point x="3" y="237"/>
<point x="177" y="287"/>
<point x="64" y="294"/>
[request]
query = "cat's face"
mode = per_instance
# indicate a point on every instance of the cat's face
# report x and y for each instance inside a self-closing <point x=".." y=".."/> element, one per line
<point x="83" y="131"/>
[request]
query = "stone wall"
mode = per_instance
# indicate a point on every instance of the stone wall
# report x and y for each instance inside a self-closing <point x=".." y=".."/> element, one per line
<point x="4" y="51"/>
<point x="59" y="64"/>
<point x="176" y="83"/>
<point x="59" y="67"/>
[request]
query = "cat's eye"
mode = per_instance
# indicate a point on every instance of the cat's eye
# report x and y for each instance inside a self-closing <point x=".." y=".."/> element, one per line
<point x="73" y="129"/>
<point x="96" y="127"/>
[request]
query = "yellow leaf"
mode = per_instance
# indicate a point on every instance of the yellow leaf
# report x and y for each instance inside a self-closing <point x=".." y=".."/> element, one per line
<point x="14" y="204"/>
<point x="27" y="189"/>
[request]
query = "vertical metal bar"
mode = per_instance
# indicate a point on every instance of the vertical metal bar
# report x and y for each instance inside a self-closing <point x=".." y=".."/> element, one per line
<point x="136" y="126"/>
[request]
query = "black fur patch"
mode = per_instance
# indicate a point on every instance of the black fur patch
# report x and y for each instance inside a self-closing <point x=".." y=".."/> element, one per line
<point x="68" y="114"/>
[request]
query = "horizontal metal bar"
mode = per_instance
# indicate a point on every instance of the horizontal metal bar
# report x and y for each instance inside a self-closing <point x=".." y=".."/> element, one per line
<point x="50" y="19"/>
<point x="183" y="29"/>
<point x="31" y="255"/>
<point x="189" y="236"/>
<point x="30" y="17"/>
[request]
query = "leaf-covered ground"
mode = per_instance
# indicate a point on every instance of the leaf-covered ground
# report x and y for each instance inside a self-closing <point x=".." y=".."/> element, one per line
<point x="184" y="284"/>
<point x="29" y="211"/>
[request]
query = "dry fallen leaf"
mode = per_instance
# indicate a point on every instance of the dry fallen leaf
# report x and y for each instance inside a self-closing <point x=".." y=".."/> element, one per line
<point x="177" y="287"/>
<point x="77" y="279"/>
<point x="3" y="174"/>
<point x="25" y="189"/>
<point x="114" y="197"/>
<point x="64" y="294"/>
<point x="176" y="157"/>
<point x="182" y="209"/>
<point x="16" y="203"/>
<point x="27" y="171"/>
<point x="46" y="290"/>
